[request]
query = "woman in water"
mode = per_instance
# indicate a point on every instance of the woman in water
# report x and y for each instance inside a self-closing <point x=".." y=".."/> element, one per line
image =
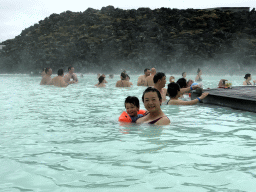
<point x="248" y="78"/>
<point x="101" y="82"/>
<point x="198" y="77"/>
<point x="152" y="100"/>
<point x="128" y="79"/>
<point x="174" y="93"/>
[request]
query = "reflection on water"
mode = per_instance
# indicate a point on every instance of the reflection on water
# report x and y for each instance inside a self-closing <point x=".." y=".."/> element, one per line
<point x="69" y="139"/>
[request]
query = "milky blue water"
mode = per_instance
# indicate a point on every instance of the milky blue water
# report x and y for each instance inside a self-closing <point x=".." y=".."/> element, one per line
<point x="69" y="139"/>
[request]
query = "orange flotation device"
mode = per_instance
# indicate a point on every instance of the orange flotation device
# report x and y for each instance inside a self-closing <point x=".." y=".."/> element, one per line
<point x="124" y="117"/>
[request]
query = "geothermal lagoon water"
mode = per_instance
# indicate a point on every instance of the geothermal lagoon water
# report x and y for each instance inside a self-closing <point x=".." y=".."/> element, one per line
<point x="69" y="139"/>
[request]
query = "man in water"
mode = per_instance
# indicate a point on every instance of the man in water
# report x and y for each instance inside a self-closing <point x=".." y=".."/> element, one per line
<point x="46" y="79"/>
<point x="59" y="80"/>
<point x="149" y="79"/>
<point x="71" y="75"/>
<point x="123" y="82"/>
<point x="142" y="78"/>
<point x="159" y="83"/>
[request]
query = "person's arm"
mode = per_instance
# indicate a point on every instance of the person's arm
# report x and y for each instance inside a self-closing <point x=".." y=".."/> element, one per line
<point x="117" y="84"/>
<point x="192" y="102"/>
<point x="75" y="79"/>
<point x="184" y="90"/>
<point x="163" y="121"/>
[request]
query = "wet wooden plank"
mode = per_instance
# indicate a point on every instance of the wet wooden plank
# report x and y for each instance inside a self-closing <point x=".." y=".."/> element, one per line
<point x="241" y="97"/>
<point x="241" y="92"/>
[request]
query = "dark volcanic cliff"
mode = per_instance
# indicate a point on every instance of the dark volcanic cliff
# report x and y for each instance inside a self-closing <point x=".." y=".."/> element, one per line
<point x="169" y="39"/>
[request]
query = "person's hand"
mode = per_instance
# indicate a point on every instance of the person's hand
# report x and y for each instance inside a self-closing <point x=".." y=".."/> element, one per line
<point x="254" y="81"/>
<point x="204" y="95"/>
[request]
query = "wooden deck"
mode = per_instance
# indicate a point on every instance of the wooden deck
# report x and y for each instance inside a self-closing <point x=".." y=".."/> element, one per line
<point x="241" y="97"/>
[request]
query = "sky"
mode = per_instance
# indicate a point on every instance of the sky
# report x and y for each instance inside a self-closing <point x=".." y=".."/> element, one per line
<point x="16" y="15"/>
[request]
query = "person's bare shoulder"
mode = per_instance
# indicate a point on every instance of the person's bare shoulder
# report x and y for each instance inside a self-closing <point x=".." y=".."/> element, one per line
<point x="163" y="121"/>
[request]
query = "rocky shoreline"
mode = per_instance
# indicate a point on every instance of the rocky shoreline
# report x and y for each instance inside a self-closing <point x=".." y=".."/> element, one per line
<point x="112" y="38"/>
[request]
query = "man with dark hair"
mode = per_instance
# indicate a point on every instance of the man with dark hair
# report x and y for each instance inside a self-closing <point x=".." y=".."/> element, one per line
<point x="46" y="79"/>
<point x="123" y="82"/>
<point x="59" y="80"/>
<point x="71" y="75"/>
<point x="159" y="83"/>
<point x="142" y="78"/>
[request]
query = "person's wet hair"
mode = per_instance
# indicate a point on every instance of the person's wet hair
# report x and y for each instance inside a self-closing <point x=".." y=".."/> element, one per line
<point x="151" y="89"/>
<point x="123" y="75"/>
<point x="182" y="82"/>
<point x="183" y="73"/>
<point x="46" y="70"/>
<point x="133" y="100"/>
<point x="60" y="72"/>
<point x="128" y="76"/>
<point x="145" y="70"/>
<point x="158" y="76"/>
<point x="173" y="89"/>
<point x="69" y="68"/>
<point x="198" y="70"/>
<point x="101" y="79"/>
<point x="247" y="75"/>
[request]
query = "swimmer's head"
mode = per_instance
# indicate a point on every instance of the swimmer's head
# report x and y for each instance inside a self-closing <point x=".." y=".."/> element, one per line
<point x="184" y="74"/>
<point x="101" y="79"/>
<point x="248" y="75"/>
<point x="123" y="76"/>
<point x="173" y="89"/>
<point x="172" y="79"/>
<point x="151" y="89"/>
<point x="160" y="79"/>
<point x="48" y="71"/>
<point x="71" y="69"/>
<point x="153" y="71"/>
<point x="147" y="72"/>
<point x="182" y="82"/>
<point x="127" y="77"/>
<point x="132" y="105"/>
<point x="189" y="82"/>
<point x="60" y="72"/>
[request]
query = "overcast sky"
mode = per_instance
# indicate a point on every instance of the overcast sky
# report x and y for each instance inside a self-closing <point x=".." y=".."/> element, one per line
<point x="16" y="15"/>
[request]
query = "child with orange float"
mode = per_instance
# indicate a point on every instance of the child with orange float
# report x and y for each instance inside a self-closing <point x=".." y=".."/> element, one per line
<point x="133" y="112"/>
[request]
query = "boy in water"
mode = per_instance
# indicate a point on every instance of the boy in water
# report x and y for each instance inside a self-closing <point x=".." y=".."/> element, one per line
<point x="132" y="106"/>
